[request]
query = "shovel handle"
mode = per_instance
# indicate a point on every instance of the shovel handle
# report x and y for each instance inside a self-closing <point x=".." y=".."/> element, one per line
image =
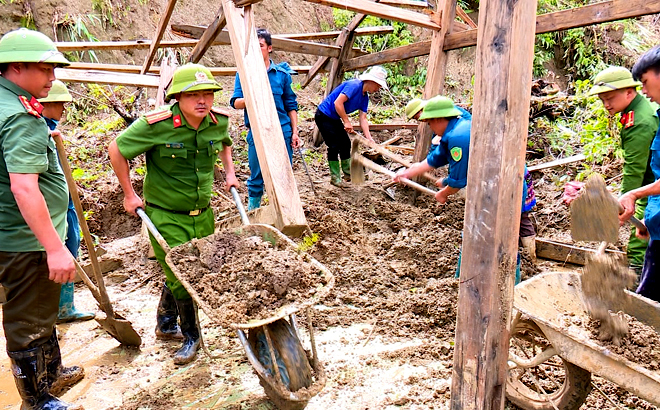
<point x="636" y="222"/>
<point x="103" y="302"/>
<point x="152" y="228"/>
<point x="239" y="205"/>
<point x="378" y="168"/>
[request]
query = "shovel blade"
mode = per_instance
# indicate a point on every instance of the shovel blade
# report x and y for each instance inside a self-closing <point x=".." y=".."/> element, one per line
<point x="121" y="329"/>
<point x="595" y="213"/>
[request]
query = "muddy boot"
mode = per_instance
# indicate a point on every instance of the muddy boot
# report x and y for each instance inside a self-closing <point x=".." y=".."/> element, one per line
<point x="254" y="202"/>
<point x="529" y="243"/>
<point x="166" y="316"/>
<point x="187" y="313"/>
<point x="346" y="169"/>
<point x="68" y="311"/>
<point x="60" y="378"/>
<point x="29" y="370"/>
<point x="335" y="174"/>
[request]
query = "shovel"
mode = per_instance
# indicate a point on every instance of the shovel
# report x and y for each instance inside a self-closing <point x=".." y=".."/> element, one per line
<point x="311" y="183"/>
<point x="118" y="327"/>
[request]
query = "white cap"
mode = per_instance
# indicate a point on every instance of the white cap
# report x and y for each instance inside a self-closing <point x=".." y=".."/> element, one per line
<point x="377" y="74"/>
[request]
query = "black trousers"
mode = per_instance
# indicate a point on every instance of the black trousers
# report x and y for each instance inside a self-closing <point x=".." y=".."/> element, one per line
<point x="30" y="310"/>
<point x="649" y="283"/>
<point x="334" y="135"/>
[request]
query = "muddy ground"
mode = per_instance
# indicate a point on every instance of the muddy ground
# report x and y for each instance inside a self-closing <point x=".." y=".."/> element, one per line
<point x="385" y="333"/>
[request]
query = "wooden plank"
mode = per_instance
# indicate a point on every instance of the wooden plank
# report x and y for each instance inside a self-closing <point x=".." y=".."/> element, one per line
<point x="100" y="77"/>
<point x="206" y="40"/>
<point x="162" y="26"/>
<point x="266" y="130"/>
<point x="411" y="4"/>
<point x="124" y="68"/>
<point x="563" y="252"/>
<point x="463" y="15"/>
<point x="557" y="162"/>
<point x="388" y="127"/>
<point x="120" y="45"/>
<point x="503" y="67"/>
<point x="187" y="30"/>
<point x="381" y="10"/>
<point x="420" y="48"/>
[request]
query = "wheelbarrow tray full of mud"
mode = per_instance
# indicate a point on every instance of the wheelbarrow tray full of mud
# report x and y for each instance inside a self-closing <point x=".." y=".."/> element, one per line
<point x="549" y="314"/>
<point x="271" y="338"/>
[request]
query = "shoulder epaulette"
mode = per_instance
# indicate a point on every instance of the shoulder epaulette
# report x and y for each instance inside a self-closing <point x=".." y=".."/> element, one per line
<point x="157" y="116"/>
<point x="33" y="107"/>
<point x="220" y="111"/>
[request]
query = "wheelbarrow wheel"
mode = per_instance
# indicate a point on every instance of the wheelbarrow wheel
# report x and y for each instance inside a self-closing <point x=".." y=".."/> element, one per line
<point x="550" y="385"/>
<point x="292" y="362"/>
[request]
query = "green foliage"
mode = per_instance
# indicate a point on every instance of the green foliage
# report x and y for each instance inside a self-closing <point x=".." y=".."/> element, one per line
<point x="308" y="242"/>
<point x="74" y="28"/>
<point x="105" y="8"/>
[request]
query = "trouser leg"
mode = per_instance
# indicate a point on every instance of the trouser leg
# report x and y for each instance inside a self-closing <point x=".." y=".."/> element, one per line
<point x="649" y="284"/>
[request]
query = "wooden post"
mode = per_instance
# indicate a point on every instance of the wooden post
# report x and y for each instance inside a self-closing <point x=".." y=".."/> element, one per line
<point x="164" y="20"/>
<point x="505" y="50"/>
<point x="208" y="37"/>
<point x="266" y="130"/>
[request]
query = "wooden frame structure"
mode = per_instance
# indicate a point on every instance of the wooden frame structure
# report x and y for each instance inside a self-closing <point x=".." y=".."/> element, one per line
<point x="504" y="37"/>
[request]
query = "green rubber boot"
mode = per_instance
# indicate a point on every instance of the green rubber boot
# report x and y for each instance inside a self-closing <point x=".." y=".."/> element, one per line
<point x="346" y="169"/>
<point x="254" y="202"/>
<point x="67" y="311"/>
<point x="335" y="174"/>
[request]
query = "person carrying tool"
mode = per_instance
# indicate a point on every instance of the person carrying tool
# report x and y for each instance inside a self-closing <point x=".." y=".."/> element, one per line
<point x="53" y="110"/>
<point x="617" y="89"/>
<point x="181" y="143"/>
<point x="332" y="119"/>
<point x="453" y="125"/>
<point x="647" y="70"/>
<point x="33" y="198"/>
<point x="286" y="104"/>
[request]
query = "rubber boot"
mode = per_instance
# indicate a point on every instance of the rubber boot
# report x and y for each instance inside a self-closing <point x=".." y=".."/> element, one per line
<point x="68" y="311"/>
<point x="60" y="378"/>
<point x="518" y="269"/>
<point x="254" y="202"/>
<point x="529" y="243"/>
<point x="30" y="375"/>
<point x="346" y="169"/>
<point x="167" y="313"/>
<point x="188" y="315"/>
<point x="335" y="174"/>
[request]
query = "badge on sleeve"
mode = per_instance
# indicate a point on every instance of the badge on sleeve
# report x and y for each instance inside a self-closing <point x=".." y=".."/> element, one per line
<point x="628" y="119"/>
<point x="456" y="153"/>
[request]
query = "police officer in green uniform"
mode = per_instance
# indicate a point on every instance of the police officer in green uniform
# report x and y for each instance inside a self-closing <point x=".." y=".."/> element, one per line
<point x="181" y="143"/>
<point x="617" y="90"/>
<point x="33" y="199"/>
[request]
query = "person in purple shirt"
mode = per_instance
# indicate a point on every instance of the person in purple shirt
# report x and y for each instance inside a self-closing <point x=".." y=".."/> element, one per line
<point x="332" y="119"/>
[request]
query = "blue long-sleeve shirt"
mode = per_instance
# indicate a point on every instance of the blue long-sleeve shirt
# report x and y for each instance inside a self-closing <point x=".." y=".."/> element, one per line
<point x="454" y="149"/>
<point x="279" y="76"/>
<point x="652" y="212"/>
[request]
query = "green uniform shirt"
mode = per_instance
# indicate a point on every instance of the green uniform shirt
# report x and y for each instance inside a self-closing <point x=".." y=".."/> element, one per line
<point x="26" y="148"/>
<point x="639" y="125"/>
<point x="180" y="160"/>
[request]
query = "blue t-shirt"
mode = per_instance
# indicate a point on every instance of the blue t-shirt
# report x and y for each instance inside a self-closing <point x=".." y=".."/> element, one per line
<point x="279" y="76"/>
<point x="454" y="149"/>
<point x="357" y="99"/>
<point x="652" y="213"/>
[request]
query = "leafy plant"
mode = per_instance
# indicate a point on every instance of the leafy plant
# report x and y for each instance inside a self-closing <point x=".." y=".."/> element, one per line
<point x="308" y="242"/>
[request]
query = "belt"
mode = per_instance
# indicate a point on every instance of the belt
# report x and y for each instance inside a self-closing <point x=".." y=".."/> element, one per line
<point x="194" y="212"/>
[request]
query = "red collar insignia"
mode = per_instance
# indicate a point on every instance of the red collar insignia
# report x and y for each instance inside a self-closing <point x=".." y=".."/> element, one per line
<point x="177" y="121"/>
<point x="628" y="119"/>
<point x="32" y="106"/>
<point x="215" y="120"/>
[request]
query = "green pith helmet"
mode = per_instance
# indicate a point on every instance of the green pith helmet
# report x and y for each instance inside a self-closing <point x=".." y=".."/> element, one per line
<point x="29" y="46"/>
<point x="192" y="77"/>
<point x="58" y="93"/>
<point x="613" y="78"/>
<point x="439" y="107"/>
<point x="414" y="106"/>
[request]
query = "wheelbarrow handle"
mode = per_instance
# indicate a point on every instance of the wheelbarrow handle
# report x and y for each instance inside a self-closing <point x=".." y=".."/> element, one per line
<point x="152" y="228"/>
<point x="239" y="205"/>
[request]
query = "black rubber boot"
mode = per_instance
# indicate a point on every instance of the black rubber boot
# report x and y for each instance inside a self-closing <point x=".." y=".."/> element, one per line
<point x="30" y="375"/>
<point x="187" y="313"/>
<point x="166" y="316"/>
<point x="60" y="378"/>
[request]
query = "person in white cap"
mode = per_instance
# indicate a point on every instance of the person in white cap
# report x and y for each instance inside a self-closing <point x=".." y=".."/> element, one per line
<point x="332" y="119"/>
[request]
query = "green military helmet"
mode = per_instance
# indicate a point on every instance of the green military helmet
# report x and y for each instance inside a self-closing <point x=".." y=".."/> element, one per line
<point x="439" y="107"/>
<point x="29" y="46"/>
<point x="414" y="106"/>
<point x="613" y="78"/>
<point x="58" y="93"/>
<point x="192" y="77"/>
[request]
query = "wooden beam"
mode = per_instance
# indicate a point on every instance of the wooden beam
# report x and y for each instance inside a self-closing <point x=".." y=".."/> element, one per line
<point x="420" y="48"/>
<point x="120" y="45"/>
<point x="463" y="15"/>
<point x="503" y="67"/>
<point x="388" y="127"/>
<point x="187" y="30"/>
<point x="557" y="162"/>
<point x="206" y="40"/>
<point x="382" y="10"/>
<point x="565" y="253"/>
<point x="100" y="77"/>
<point x="124" y="68"/>
<point x="411" y="4"/>
<point x="162" y="26"/>
<point x="266" y="130"/>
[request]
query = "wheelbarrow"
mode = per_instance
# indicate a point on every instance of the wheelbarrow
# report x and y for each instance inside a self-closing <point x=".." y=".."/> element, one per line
<point x="551" y="357"/>
<point x="289" y="374"/>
